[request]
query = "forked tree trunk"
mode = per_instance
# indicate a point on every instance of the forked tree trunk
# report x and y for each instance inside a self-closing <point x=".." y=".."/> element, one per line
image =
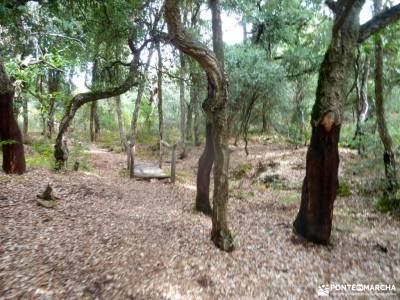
<point x="10" y="134"/>
<point x="389" y="157"/>
<point x="121" y="125"/>
<point x="214" y="106"/>
<point x="314" y="219"/>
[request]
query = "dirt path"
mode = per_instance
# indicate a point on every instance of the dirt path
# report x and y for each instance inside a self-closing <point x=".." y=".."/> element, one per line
<point x="114" y="238"/>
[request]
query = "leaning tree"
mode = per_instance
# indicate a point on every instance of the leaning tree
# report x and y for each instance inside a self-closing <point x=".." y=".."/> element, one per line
<point x="10" y="134"/>
<point x="214" y="107"/>
<point x="314" y="219"/>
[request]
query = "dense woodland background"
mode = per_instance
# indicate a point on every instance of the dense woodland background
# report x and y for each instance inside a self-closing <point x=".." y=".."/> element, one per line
<point x="91" y="91"/>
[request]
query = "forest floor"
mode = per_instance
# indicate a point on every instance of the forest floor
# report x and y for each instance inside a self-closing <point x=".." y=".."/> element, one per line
<point x="115" y="238"/>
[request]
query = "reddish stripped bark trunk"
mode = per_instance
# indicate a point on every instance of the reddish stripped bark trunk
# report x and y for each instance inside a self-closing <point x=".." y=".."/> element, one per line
<point x="319" y="190"/>
<point x="10" y="134"/>
<point x="314" y="219"/>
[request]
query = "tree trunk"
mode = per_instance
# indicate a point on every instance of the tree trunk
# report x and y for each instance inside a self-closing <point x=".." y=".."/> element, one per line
<point x="196" y="125"/>
<point x="135" y="114"/>
<point x="214" y="107"/>
<point x="94" y="122"/>
<point x="314" y="219"/>
<point x="204" y="170"/>
<point x="10" y="134"/>
<point x="298" y="116"/>
<point x="389" y="158"/>
<point x="220" y="233"/>
<point x="191" y="106"/>
<point x="25" y="114"/>
<point x="196" y="109"/>
<point x="53" y="88"/>
<point x="265" y="127"/>
<point x="362" y="106"/>
<point x="50" y="119"/>
<point x="160" y="105"/>
<point x="233" y="112"/>
<point x="241" y="121"/>
<point x="182" y="105"/>
<point x="121" y="126"/>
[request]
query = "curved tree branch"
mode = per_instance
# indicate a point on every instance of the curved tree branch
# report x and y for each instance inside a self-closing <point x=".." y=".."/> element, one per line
<point x="200" y="52"/>
<point x="379" y="22"/>
<point x="60" y="148"/>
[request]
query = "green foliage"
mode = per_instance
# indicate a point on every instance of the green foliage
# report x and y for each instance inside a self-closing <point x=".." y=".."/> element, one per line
<point x="7" y="142"/>
<point x="79" y="153"/>
<point x="386" y="204"/>
<point x="41" y="154"/>
<point x="240" y="171"/>
<point x="344" y="189"/>
<point x="109" y="139"/>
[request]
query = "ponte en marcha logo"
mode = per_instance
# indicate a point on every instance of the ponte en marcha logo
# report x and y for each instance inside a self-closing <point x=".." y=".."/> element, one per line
<point x="356" y="289"/>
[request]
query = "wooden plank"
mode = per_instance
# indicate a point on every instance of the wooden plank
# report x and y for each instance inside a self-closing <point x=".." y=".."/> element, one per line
<point x="147" y="170"/>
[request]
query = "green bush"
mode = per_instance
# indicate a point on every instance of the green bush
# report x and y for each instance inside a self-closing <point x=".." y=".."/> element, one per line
<point x="78" y="153"/>
<point x="240" y="171"/>
<point x="344" y="190"/>
<point x="41" y="154"/>
<point x="109" y="140"/>
<point x="387" y="204"/>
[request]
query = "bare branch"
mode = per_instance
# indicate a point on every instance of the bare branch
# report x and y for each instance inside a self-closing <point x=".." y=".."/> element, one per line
<point x="78" y="41"/>
<point x="379" y="22"/>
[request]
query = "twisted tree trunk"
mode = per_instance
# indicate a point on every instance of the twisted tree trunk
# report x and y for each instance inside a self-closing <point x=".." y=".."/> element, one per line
<point x="10" y="134"/>
<point x="214" y="106"/>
